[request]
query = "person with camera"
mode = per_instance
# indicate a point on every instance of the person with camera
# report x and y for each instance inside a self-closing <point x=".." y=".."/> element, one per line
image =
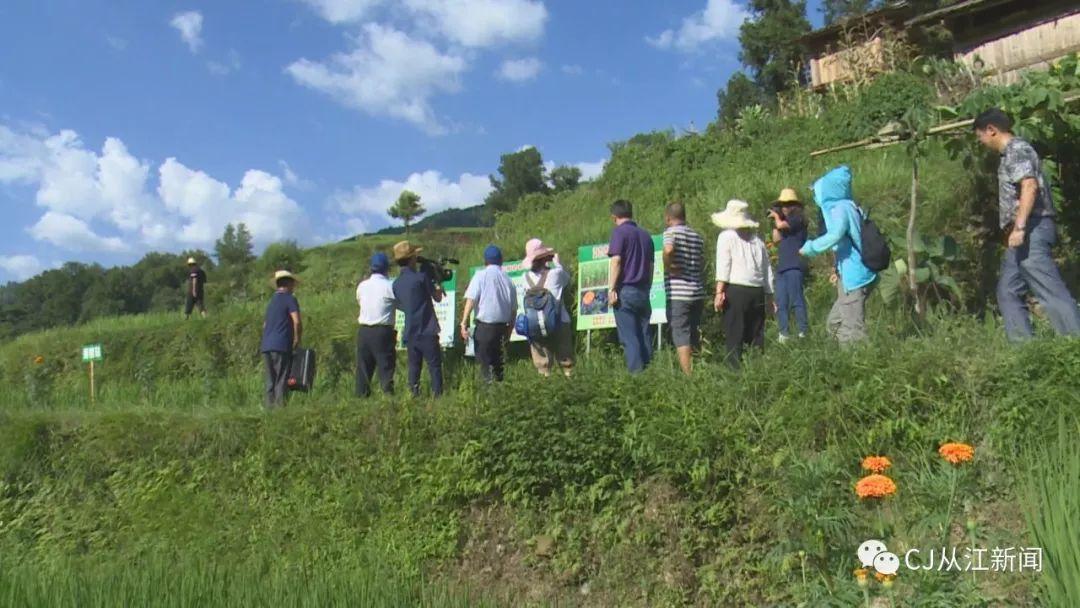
<point x="416" y="292"/>
<point x="789" y="230"/>
<point x="375" y="338"/>
<point x="546" y="272"/>
<point x="493" y="296"/>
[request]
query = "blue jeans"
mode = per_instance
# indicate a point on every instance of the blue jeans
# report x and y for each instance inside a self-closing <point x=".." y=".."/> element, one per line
<point x="1030" y="267"/>
<point x="789" y="296"/>
<point x="632" y="323"/>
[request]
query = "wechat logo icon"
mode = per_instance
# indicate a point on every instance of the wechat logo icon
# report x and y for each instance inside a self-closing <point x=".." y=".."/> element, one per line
<point x="874" y="554"/>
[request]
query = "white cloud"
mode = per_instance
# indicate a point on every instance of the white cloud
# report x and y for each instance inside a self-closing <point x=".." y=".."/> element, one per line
<point x="74" y="234"/>
<point x="230" y="63"/>
<point x="365" y="207"/>
<point x="388" y="74"/>
<point x="572" y="70"/>
<point x="718" y="21"/>
<point x="520" y="70"/>
<point x="483" y="23"/>
<point x="189" y="24"/>
<point x="343" y="11"/>
<point x="591" y="171"/>
<point x="103" y="201"/>
<point x="20" y="267"/>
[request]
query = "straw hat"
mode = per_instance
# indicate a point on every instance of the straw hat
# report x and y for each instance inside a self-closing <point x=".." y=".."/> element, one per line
<point x="788" y="196"/>
<point x="535" y="249"/>
<point x="734" y="217"/>
<point x="405" y="250"/>
<point x="191" y="261"/>
<point x="284" y="274"/>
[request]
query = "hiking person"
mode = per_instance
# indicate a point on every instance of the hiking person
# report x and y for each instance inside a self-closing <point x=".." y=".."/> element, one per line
<point x="493" y="296"/>
<point x="789" y="230"/>
<point x="281" y="335"/>
<point x="195" y="289"/>
<point x="1026" y="215"/>
<point x="843" y="234"/>
<point x="375" y="338"/>
<point x="416" y="294"/>
<point x="630" y="275"/>
<point x="684" y="261"/>
<point x="744" y="280"/>
<point x="546" y="273"/>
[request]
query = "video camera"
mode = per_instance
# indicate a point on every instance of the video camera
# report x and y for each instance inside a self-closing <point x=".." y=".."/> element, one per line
<point x="436" y="270"/>
<point x="778" y="209"/>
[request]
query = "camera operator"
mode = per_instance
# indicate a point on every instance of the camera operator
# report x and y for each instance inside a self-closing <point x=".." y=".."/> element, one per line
<point x="416" y="292"/>
<point x="789" y="231"/>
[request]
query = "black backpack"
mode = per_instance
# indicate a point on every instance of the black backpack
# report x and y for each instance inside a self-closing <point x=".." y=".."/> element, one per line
<point x="874" y="248"/>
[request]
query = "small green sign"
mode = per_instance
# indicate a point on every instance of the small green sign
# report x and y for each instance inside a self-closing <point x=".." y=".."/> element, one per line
<point x="91" y="352"/>
<point x="593" y="309"/>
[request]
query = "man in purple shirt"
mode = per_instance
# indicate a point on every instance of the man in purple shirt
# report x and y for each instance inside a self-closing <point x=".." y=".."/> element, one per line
<point x="629" y="281"/>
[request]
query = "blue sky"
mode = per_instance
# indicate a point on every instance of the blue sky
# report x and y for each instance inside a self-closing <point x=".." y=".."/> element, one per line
<point x="128" y="126"/>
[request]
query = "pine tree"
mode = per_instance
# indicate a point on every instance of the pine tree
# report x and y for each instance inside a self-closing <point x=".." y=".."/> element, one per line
<point x="407" y="208"/>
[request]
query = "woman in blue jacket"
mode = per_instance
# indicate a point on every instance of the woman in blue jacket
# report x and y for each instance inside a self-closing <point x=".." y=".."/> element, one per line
<point x="843" y="234"/>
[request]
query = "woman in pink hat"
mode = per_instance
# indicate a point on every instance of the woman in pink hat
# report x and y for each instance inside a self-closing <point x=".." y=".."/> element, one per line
<point x="546" y="271"/>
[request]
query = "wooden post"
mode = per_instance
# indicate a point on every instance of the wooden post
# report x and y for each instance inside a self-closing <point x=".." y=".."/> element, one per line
<point x="911" y="260"/>
<point x="91" y="380"/>
<point x="588" y="342"/>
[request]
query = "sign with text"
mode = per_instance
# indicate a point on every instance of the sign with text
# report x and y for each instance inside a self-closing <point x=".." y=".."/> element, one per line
<point x="91" y="352"/>
<point x="594" y="311"/>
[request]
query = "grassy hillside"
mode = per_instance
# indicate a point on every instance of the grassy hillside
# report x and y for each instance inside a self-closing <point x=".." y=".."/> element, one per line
<point x="601" y="490"/>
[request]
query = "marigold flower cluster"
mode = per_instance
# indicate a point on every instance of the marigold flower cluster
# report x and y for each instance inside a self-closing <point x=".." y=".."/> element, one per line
<point x="957" y="453"/>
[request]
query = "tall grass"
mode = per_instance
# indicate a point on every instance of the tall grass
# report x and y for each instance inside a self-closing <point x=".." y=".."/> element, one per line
<point x="1053" y="514"/>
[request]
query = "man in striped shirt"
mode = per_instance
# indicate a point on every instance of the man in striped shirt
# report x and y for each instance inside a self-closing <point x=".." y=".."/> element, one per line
<point x="684" y="261"/>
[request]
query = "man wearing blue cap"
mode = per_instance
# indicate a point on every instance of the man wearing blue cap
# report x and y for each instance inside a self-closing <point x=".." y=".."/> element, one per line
<point x="375" y="339"/>
<point x="494" y="297"/>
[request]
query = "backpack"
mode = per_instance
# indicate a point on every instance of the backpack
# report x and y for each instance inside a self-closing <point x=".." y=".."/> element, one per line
<point x="874" y="248"/>
<point x="542" y="316"/>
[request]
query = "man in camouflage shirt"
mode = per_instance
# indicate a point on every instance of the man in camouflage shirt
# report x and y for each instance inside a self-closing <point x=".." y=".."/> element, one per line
<point x="1026" y="213"/>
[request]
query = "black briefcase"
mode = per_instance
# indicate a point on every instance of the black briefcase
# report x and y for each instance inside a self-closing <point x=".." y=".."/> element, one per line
<point x="302" y="373"/>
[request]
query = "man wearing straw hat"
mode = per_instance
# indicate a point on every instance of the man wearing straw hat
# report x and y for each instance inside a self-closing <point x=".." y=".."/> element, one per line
<point x="544" y="270"/>
<point x="744" y="280"/>
<point x="416" y="294"/>
<point x="789" y="230"/>
<point x="196" y="296"/>
<point x="281" y="335"/>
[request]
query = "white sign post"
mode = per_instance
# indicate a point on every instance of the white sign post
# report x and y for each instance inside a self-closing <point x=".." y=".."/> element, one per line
<point x="91" y="353"/>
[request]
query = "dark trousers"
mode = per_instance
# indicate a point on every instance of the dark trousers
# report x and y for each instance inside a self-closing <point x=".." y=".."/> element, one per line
<point x="420" y="349"/>
<point x="278" y="365"/>
<point x="790" y="298"/>
<point x="490" y="340"/>
<point x="194" y="301"/>
<point x="632" y="317"/>
<point x="744" y="320"/>
<point x="375" y="352"/>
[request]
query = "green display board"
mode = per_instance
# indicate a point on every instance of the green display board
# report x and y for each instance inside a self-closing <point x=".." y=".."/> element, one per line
<point x="594" y="312"/>
<point x="445" y="312"/>
<point x="91" y="352"/>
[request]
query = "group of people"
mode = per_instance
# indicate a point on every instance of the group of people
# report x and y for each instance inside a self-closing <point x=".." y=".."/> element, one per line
<point x="746" y="286"/>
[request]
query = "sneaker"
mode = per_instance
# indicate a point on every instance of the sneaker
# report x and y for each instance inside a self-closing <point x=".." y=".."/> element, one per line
<point x="801" y="335"/>
<point x="783" y="338"/>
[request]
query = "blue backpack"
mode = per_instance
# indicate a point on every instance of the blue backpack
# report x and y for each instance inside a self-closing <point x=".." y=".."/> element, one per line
<point x="542" y="315"/>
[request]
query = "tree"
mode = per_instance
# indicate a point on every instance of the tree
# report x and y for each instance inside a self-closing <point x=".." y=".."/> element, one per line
<point x="234" y="248"/>
<point x="769" y="40"/>
<point x="565" y="178"/>
<point x="741" y="92"/>
<point x="522" y="173"/>
<point x="407" y="208"/>
<point x="836" y="10"/>
<point x="283" y="255"/>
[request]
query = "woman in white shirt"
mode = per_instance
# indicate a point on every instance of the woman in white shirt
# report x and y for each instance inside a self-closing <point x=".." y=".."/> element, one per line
<point x="559" y="347"/>
<point x="744" y="280"/>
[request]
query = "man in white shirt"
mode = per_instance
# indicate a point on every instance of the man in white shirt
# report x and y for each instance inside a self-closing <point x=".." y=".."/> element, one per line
<point x="375" y="340"/>
<point x="493" y="296"/>
<point x="744" y="280"/>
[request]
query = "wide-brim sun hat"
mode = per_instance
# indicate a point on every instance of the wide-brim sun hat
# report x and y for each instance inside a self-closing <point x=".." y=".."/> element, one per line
<point x="284" y="274"/>
<point x="404" y="250"/>
<point x="734" y="217"/>
<point x="535" y="250"/>
<point x="788" y="196"/>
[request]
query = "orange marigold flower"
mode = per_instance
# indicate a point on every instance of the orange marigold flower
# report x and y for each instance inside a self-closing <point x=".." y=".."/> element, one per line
<point x="38" y="360"/>
<point x="886" y="580"/>
<point x="860" y="576"/>
<point x="956" y="453"/>
<point x="876" y="464"/>
<point x="875" y="486"/>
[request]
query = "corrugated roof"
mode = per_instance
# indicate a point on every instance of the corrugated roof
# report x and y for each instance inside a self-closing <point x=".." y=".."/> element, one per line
<point x="966" y="6"/>
<point x="892" y="9"/>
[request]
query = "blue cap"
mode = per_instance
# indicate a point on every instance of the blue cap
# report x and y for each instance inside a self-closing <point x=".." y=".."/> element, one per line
<point x="380" y="263"/>
<point x="492" y="255"/>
